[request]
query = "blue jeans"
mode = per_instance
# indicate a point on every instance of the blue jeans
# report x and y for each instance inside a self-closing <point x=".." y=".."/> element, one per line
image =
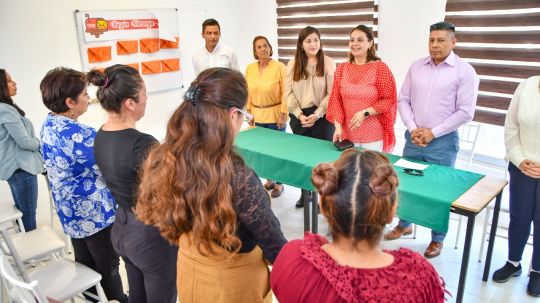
<point x="442" y="151"/>
<point x="24" y="190"/>
<point x="524" y="210"/>
<point x="271" y="126"/>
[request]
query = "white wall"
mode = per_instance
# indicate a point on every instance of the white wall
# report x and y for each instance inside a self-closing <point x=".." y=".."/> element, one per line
<point x="404" y="32"/>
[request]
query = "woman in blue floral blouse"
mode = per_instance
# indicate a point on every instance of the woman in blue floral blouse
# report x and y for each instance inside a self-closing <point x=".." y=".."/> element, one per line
<point x="86" y="207"/>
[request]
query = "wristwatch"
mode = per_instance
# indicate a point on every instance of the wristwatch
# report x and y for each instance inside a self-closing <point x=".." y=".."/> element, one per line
<point x="366" y="113"/>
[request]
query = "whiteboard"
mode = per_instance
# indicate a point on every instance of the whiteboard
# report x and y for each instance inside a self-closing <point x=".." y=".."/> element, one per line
<point x="148" y="40"/>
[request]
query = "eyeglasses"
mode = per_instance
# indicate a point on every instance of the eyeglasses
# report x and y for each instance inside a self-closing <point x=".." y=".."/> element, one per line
<point x="413" y="172"/>
<point x="244" y="112"/>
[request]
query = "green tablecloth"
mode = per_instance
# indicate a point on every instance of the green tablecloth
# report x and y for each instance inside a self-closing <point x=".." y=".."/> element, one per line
<point x="290" y="159"/>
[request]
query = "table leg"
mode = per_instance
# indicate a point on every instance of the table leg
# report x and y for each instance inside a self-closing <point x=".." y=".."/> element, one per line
<point x="465" y="259"/>
<point x="306" y="209"/>
<point x="494" y="223"/>
<point x="314" y="211"/>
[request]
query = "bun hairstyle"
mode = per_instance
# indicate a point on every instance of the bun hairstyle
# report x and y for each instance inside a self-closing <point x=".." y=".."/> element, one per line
<point x="185" y="184"/>
<point x="357" y="193"/>
<point x="116" y="84"/>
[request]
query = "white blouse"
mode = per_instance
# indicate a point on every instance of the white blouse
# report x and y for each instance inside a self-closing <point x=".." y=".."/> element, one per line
<point x="522" y="125"/>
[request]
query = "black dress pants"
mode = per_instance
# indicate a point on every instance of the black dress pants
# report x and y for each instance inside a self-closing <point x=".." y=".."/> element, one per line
<point x="150" y="260"/>
<point x="322" y="129"/>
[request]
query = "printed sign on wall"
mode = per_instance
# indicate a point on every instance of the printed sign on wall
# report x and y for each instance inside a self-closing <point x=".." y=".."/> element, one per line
<point x="144" y="39"/>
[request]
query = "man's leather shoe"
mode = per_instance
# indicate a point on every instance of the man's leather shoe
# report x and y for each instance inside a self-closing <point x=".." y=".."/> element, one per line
<point x="434" y="249"/>
<point x="269" y="185"/>
<point x="397" y="232"/>
<point x="300" y="202"/>
<point x="276" y="192"/>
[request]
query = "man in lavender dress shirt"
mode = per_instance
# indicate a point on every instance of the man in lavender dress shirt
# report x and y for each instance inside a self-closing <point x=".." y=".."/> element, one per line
<point x="437" y="97"/>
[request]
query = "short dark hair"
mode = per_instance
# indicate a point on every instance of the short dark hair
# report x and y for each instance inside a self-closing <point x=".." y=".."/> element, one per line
<point x="267" y="42"/>
<point x="116" y="84"/>
<point x="210" y="22"/>
<point x="443" y="26"/>
<point x="59" y="84"/>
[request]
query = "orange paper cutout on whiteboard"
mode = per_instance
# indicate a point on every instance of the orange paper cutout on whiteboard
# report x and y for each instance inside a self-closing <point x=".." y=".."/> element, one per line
<point x="134" y="65"/>
<point x="127" y="47"/>
<point x="150" y="45"/>
<point x="151" y="67"/>
<point x="170" y="65"/>
<point x="99" y="54"/>
<point x="168" y="44"/>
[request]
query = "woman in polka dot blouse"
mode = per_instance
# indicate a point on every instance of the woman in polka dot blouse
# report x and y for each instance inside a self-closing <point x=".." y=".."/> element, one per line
<point x="363" y="101"/>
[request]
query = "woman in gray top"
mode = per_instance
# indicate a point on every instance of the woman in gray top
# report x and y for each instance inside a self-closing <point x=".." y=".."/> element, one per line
<point x="20" y="160"/>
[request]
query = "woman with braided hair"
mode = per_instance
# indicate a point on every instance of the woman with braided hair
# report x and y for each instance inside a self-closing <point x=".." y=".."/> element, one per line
<point x="358" y="197"/>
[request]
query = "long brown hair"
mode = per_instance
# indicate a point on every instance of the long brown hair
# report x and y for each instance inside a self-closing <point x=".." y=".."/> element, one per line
<point x="300" y="57"/>
<point x="4" y="92"/>
<point x="357" y="192"/>
<point x="185" y="185"/>
<point x="372" y="52"/>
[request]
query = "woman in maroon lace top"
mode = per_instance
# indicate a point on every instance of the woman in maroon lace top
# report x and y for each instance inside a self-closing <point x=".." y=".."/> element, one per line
<point x="358" y="197"/>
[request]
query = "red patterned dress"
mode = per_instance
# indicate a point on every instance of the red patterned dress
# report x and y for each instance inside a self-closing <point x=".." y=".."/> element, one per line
<point x="304" y="272"/>
<point x="357" y="87"/>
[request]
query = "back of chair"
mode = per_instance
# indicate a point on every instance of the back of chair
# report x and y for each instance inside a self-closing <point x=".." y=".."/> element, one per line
<point x="19" y="291"/>
<point x="468" y="136"/>
<point x="14" y="254"/>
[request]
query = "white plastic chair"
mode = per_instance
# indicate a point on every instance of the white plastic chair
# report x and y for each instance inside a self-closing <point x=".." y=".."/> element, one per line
<point x="487" y="223"/>
<point x="18" y="290"/>
<point x="36" y="244"/>
<point x="60" y="279"/>
<point x="468" y="135"/>
<point x="33" y="246"/>
<point x="11" y="215"/>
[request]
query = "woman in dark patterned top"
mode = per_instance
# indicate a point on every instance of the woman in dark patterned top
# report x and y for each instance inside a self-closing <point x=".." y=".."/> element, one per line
<point x="200" y="194"/>
<point x="358" y="197"/>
